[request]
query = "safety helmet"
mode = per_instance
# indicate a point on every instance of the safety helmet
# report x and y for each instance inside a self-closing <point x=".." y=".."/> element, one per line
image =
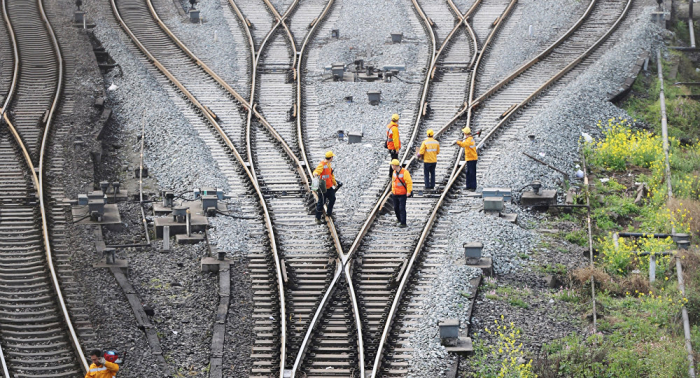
<point x="467" y="130"/>
<point x="395" y="117"/>
<point x="329" y="154"/>
<point x="110" y="356"/>
<point x="430" y="132"/>
<point x="395" y="162"/>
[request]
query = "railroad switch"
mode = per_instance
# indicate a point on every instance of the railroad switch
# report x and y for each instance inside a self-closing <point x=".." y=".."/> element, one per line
<point x="93" y="208"/>
<point x="538" y="196"/>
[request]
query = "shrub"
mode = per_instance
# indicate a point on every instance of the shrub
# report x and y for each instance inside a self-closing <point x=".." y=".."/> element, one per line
<point x="621" y="146"/>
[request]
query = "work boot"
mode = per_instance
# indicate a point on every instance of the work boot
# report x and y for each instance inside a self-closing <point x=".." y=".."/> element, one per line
<point x="403" y="225"/>
<point x="318" y="221"/>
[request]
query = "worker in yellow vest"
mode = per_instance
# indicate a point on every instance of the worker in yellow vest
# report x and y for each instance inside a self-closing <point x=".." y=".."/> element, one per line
<point x="393" y="142"/>
<point x="429" y="150"/>
<point x="327" y="186"/>
<point x="401" y="188"/>
<point x="470" y="156"/>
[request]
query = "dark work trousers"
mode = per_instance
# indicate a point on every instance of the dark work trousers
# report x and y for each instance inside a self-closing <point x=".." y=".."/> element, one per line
<point x="394" y="155"/>
<point x="400" y="207"/>
<point x="429" y="175"/>
<point x="329" y="196"/>
<point x="471" y="174"/>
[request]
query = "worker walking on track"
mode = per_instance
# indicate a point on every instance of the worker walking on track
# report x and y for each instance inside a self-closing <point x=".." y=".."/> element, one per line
<point x="401" y="188"/>
<point x="393" y="143"/>
<point x="429" y="150"/>
<point x="327" y="186"/>
<point x="100" y="368"/>
<point x="470" y="156"/>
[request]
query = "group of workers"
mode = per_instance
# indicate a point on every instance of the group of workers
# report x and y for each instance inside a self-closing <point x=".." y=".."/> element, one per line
<point x="401" y="182"/>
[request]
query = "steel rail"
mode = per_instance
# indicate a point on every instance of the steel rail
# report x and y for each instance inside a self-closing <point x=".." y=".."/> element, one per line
<point x="297" y="58"/>
<point x="38" y="172"/>
<point x="427" y="228"/>
<point x="250" y="106"/>
<point x="15" y="53"/>
<point x="343" y="257"/>
<point x="255" y="57"/>
<point x="227" y="141"/>
<point x="459" y="168"/>
<point x="470" y="105"/>
<point x="346" y="267"/>
<point x="246" y="104"/>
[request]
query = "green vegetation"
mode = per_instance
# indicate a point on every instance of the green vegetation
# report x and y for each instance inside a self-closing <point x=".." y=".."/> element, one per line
<point x="639" y="333"/>
<point x="553" y="269"/>
<point x="504" y="359"/>
<point x="638" y="337"/>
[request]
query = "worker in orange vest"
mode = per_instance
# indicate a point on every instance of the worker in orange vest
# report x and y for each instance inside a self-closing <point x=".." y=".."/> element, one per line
<point x="327" y="186"/>
<point x="393" y="143"/>
<point x="429" y="150"/>
<point x="401" y="188"/>
<point x="470" y="156"/>
<point x="100" y="368"/>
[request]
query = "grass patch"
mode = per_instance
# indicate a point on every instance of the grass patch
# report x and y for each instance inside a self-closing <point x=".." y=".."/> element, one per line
<point x="553" y="269"/>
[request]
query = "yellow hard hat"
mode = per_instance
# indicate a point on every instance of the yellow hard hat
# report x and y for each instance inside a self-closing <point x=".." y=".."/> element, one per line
<point x="329" y="154"/>
<point x="467" y="130"/>
<point x="395" y="117"/>
<point x="431" y="132"/>
<point x="395" y="162"/>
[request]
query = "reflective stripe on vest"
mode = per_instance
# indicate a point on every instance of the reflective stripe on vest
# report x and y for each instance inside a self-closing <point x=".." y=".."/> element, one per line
<point x="98" y="369"/>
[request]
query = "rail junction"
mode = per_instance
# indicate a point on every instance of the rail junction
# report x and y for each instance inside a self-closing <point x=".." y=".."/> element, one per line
<point x="339" y="299"/>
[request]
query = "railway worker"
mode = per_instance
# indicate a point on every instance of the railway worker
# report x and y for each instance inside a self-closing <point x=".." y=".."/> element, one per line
<point x="324" y="171"/>
<point x="401" y="188"/>
<point x="470" y="156"/>
<point x="393" y="143"/>
<point x="429" y="150"/>
<point x="101" y="368"/>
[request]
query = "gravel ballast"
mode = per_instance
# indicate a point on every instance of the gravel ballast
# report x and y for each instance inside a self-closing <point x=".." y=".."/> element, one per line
<point x="575" y="108"/>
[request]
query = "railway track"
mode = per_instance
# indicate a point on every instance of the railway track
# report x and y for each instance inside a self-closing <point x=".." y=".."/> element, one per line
<point x="309" y="262"/>
<point x="281" y="195"/>
<point x="297" y="290"/>
<point x="38" y="338"/>
<point x="428" y="257"/>
<point x="378" y="262"/>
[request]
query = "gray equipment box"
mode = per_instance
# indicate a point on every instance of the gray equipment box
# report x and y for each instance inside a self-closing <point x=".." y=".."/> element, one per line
<point x="449" y="328"/>
<point x="354" y="138"/>
<point x="472" y="252"/>
<point x="504" y="193"/>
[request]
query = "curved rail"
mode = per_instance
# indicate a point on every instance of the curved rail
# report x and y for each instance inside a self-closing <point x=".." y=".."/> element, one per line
<point x="207" y="114"/>
<point x="428" y="226"/>
<point x="298" y="58"/>
<point x="459" y="168"/>
<point x="38" y="172"/>
<point x="250" y="107"/>
<point x="432" y="63"/>
<point x="15" y="55"/>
